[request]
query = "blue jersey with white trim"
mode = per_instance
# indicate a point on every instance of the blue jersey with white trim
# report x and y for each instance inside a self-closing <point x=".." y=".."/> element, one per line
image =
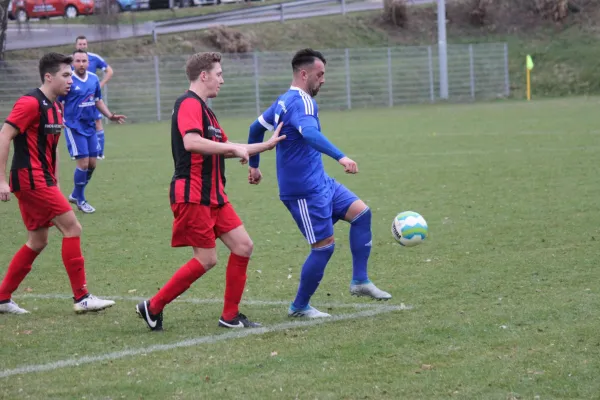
<point x="80" y="102"/>
<point x="300" y="171"/>
<point x="96" y="63"/>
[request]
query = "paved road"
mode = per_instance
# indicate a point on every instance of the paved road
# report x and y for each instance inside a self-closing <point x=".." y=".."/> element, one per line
<point x="41" y="35"/>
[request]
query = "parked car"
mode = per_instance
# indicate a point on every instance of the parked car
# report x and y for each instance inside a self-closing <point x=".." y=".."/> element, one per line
<point x="22" y="10"/>
<point x="116" y="6"/>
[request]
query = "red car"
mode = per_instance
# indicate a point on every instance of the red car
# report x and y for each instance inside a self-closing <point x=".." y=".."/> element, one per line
<point x="22" y="10"/>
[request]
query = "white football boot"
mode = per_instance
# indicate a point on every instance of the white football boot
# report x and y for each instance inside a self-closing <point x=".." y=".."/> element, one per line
<point x="369" y="290"/>
<point x="12" y="308"/>
<point x="308" y="312"/>
<point x="92" y="303"/>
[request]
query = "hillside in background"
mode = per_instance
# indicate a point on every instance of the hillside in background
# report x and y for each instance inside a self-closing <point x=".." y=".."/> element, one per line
<point x="563" y="38"/>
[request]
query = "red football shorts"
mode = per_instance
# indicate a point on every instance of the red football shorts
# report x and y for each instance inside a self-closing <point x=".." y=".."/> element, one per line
<point x="40" y="206"/>
<point x="199" y="226"/>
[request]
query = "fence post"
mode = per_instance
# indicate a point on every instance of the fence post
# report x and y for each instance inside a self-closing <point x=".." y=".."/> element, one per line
<point x="256" y="83"/>
<point x="390" y="80"/>
<point x="157" y="80"/>
<point x="282" y="18"/>
<point x="472" y="71"/>
<point x="506" y="77"/>
<point x="431" y="83"/>
<point x="343" y="7"/>
<point x="348" y="94"/>
<point x="105" y="100"/>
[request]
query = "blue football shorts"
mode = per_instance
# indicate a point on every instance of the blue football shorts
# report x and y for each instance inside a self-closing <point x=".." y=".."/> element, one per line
<point x="82" y="145"/>
<point x="316" y="215"/>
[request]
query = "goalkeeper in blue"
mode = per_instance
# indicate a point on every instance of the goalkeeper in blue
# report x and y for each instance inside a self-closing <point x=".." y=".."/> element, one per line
<point x="315" y="200"/>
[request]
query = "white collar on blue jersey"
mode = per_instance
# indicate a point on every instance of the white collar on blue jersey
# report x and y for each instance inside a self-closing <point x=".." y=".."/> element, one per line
<point x="81" y="79"/>
<point x="300" y="90"/>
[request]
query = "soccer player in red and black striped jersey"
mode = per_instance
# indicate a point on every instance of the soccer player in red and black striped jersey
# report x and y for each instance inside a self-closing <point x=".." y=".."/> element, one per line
<point x="34" y="126"/>
<point x="200" y="206"/>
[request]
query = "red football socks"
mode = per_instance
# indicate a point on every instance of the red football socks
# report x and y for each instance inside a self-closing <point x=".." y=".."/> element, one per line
<point x="235" y="281"/>
<point x="18" y="269"/>
<point x="75" y="265"/>
<point x="179" y="283"/>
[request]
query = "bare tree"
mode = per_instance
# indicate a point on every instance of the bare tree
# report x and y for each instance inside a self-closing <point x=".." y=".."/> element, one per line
<point x="3" y="26"/>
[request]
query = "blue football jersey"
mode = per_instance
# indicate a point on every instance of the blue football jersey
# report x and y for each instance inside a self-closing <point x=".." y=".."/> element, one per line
<point x="80" y="103"/>
<point x="96" y="63"/>
<point x="300" y="171"/>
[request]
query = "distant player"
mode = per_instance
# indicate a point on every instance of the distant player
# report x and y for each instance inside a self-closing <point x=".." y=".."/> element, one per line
<point x="82" y="103"/>
<point x="96" y="63"/>
<point x="315" y="200"/>
<point x="34" y="125"/>
<point x="200" y="206"/>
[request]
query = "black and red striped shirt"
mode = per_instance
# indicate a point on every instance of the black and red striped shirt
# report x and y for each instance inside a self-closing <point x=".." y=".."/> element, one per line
<point x="39" y="122"/>
<point x="198" y="178"/>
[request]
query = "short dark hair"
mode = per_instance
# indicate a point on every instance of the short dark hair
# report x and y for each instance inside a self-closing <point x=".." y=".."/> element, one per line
<point x="80" y="51"/>
<point x="80" y="37"/>
<point x="50" y="63"/>
<point x="306" y="56"/>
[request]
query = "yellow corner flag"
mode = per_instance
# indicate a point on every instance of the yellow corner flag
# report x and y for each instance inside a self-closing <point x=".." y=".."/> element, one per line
<point x="529" y="63"/>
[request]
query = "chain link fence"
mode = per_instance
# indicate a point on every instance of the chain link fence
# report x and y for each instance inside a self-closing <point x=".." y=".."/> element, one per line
<point x="145" y="88"/>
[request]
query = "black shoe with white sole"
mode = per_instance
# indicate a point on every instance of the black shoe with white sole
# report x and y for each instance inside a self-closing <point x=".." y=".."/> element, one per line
<point x="154" y="322"/>
<point x="240" y="321"/>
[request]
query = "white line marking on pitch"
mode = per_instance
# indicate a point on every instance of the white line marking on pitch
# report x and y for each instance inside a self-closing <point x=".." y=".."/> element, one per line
<point x="28" y="369"/>
<point x="202" y="301"/>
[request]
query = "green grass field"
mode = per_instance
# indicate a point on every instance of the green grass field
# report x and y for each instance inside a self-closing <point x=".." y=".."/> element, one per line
<point x="505" y="291"/>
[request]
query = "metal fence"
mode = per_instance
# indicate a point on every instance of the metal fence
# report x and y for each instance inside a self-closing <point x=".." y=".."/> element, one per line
<point x="145" y="88"/>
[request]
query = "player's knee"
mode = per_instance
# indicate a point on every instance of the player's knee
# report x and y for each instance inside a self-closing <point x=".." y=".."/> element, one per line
<point x="73" y="229"/>
<point x="324" y="243"/>
<point x="363" y="217"/>
<point x="207" y="261"/>
<point x="356" y="210"/>
<point x="37" y="244"/>
<point x="244" y="247"/>
<point x="83" y="163"/>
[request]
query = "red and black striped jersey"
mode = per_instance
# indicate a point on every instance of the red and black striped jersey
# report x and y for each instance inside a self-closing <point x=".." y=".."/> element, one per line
<point x="198" y="178"/>
<point x="39" y="122"/>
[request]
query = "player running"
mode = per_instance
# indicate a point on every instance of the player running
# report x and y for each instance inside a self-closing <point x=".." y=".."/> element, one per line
<point x="34" y="126"/>
<point x="81" y="105"/>
<point x="315" y="200"/>
<point x="96" y="63"/>
<point x="200" y="206"/>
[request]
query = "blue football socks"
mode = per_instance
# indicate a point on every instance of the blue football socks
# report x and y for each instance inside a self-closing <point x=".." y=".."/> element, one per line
<point x="80" y="178"/>
<point x="360" y="246"/>
<point x="312" y="273"/>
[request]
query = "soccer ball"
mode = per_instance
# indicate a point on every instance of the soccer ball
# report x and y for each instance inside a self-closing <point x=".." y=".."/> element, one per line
<point x="409" y="228"/>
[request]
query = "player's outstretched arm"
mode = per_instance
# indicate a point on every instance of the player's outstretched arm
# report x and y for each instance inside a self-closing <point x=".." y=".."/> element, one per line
<point x="256" y="134"/>
<point x="7" y="134"/>
<point x="195" y="143"/>
<point x="259" y="147"/>
<point x="106" y="112"/>
<point x="319" y="142"/>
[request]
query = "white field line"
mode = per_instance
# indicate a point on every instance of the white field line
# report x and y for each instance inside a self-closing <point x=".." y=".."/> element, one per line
<point x="202" y="301"/>
<point x="72" y="362"/>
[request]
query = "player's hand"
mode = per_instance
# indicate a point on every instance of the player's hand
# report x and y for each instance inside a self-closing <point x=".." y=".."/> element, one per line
<point x="4" y="191"/>
<point x="254" y="176"/>
<point x="242" y="154"/>
<point x="349" y="165"/>
<point x="272" y="142"/>
<point x="118" y="118"/>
